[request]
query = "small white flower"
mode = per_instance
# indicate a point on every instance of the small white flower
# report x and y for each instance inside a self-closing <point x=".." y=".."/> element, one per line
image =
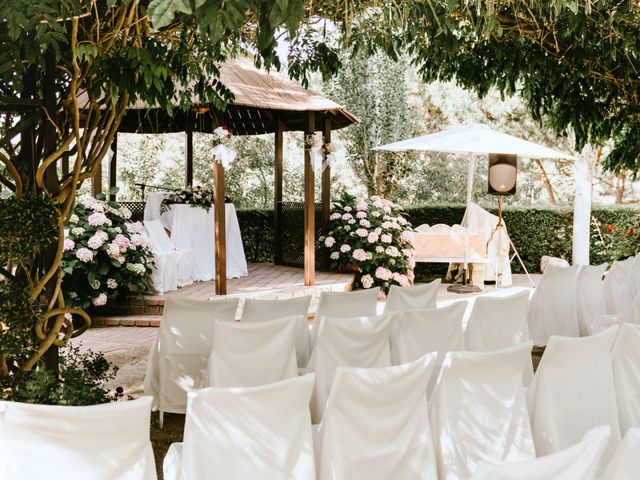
<point x="379" y="249"/>
<point x="375" y="213"/>
<point x="352" y="221"/>
<point x="347" y="216"/>
<point x="95" y="284"/>
<point x="100" y="300"/>
<point x="345" y="248"/>
<point x="362" y="232"/>
<point x="335" y="216"/>
<point x="77" y="231"/>
<point x="361" y="215"/>
<point x="347" y="209"/>
<point x="112" y="284"/>
<point x="335" y="255"/>
<point x="367" y="281"/>
<point x="97" y="218"/>
<point x="329" y="242"/>
<point x="74" y="218"/>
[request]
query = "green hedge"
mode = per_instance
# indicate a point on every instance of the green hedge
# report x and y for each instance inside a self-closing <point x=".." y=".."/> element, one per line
<point x="534" y="231"/>
<point x="257" y="230"/>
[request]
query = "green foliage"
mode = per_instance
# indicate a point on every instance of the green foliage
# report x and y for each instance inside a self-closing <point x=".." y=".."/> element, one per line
<point x="375" y="91"/>
<point x="258" y="234"/>
<point x="80" y="381"/>
<point x="618" y="239"/>
<point x="575" y="63"/>
<point x="105" y="256"/>
<point x="28" y="223"/>
<point x="18" y="315"/>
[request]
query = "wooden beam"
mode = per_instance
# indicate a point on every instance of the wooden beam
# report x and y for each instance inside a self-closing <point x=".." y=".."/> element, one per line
<point x="113" y="168"/>
<point x="326" y="179"/>
<point x="277" y="191"/>
<point x="220" y="234"/>
<point x="188" y="171"/>
<point x="309" y="210"/>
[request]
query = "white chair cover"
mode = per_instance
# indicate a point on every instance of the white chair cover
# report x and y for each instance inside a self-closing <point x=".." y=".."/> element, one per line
<point x="630" y="315"/>
<point x="183" y="348"/>
<point x="573" y="392"/>
<point x="499" y="322"/>
<point x="617" y="289"/>
<point x="552" y="309"/>
<point x="175" y="266"/>
<point x="625" y="464"/>
<point x="376" y="425"/>
<point x="361" y="303"/>
<point x="479" y="411"/>
<point x="346" y="342"/>
<point x="579" y="462"/>
<point x="99" y="442"/>
<point x="417" y="333"/>
<point x="589" y="296"/>
<point x="257" y="310"/>
<point x="634" y="276"/>
<point x="253" y="353"/>
<point x="415" y="297"/>
<point x="626" y="375"/>
<point x="478" y="220"/>
<point x="246" y="433"/>
<point x="152" y="205"/>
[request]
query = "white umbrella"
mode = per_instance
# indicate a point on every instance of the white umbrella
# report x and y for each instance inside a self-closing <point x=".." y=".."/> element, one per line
<point x="474" y="139"/>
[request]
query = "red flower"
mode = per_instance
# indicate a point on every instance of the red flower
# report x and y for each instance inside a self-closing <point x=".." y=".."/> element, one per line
<point x="611" y="228"/>
<point x="632" y="230"/>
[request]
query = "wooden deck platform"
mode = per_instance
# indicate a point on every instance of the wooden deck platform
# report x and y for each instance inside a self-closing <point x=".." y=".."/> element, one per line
<point x="265" y="280"/>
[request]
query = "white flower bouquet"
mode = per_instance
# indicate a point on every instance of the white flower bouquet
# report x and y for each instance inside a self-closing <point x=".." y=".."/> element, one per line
<point x="372" y="235"/>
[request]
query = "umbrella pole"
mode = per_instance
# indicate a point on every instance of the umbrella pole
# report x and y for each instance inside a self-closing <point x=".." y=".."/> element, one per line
<point x="465" y="287"/>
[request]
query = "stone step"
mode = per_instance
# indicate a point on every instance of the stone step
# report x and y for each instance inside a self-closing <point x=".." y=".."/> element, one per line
<point x="126" y="321"/>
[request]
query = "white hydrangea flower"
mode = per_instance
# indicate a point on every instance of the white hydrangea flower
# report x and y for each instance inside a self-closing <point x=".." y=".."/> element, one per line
<point x="112" y="284"/>
<point x="335" y="255"/>
<point x="95" y="284"/>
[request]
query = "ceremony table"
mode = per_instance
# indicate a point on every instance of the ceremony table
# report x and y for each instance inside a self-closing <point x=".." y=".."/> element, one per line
<point x="192" y="227"/>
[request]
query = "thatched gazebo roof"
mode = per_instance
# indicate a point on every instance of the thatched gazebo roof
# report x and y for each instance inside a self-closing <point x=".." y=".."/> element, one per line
<point x="261" y="99"/>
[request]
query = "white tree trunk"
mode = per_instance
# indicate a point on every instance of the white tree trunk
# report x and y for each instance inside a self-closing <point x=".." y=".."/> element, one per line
<point x="582" y="169"/>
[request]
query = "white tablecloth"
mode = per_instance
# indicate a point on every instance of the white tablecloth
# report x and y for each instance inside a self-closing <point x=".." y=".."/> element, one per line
<point x="192" y="227"/>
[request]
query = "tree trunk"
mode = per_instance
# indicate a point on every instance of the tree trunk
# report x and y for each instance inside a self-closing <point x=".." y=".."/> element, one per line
<point x="620" y="184"/>
<point x="582" y="168"/>
<point x="547" y="182"/>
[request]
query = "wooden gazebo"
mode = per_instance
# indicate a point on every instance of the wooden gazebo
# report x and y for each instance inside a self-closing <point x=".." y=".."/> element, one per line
<point x="265" y="102"/>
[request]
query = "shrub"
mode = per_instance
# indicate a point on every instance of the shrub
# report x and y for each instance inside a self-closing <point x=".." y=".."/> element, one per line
<point x="80" y="381"/>
<point x="105" y="257"/>
<point x="372" y="235"/>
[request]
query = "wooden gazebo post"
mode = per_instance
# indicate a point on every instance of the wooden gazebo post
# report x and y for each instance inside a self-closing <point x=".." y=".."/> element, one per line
<point x="326" y="178"/>
<point x="309" y="208"/>
<point x="113" y="168"/>
<point x="219" y="229"/>
<point x="277" y="189"/>
<point x="188" y="150"/>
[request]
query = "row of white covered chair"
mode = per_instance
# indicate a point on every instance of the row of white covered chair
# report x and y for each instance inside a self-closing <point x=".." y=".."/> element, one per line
<point x="576" y="301"/>
<point x="478" y="419"/>
<point x="198" y="336"/>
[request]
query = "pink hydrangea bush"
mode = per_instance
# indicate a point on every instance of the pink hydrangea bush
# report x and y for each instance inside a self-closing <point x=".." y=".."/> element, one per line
<point x="373" y="235"/>
<point x="105" y="256"/>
